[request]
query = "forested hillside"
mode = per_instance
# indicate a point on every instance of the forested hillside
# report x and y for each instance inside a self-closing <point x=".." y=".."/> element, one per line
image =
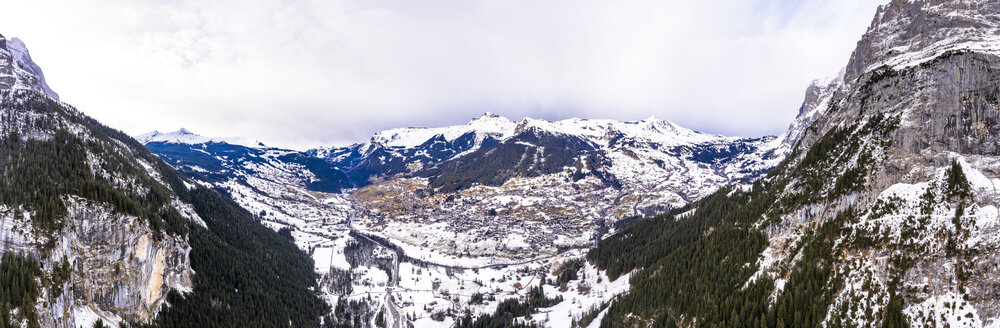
<point x="882" y="215"/>
<point x="87" y="212"/>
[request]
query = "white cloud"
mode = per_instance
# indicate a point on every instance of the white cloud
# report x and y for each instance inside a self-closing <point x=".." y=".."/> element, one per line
<point x="310" y="72"/>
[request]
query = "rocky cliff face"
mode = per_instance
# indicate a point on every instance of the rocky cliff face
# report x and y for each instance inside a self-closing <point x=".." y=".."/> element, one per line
<point x="18" y="71"/>
<point x="920" y="102"/>
<point x="887" y="212"/>
<point x="119" y="269"/>
<point x="817" y="101"/>
<point x="906" y="33"/>
<point x="88" y="207"/>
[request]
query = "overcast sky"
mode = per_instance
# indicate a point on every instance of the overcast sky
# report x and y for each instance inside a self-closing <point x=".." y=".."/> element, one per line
<point x="303" y="73"/>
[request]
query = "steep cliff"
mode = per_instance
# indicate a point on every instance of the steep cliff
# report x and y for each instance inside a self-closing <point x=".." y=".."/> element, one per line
<point x="94" y="227"/>
<point x="75" y="196"/>
<point x="886" y="213"/>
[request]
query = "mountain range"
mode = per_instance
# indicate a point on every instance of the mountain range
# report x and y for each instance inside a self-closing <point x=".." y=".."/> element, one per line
<point x="580" y="174"/>
<point x="877" y="207"/>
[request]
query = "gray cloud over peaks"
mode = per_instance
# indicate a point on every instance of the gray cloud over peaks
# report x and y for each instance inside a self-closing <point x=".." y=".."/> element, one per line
<point x="303" y="73"/>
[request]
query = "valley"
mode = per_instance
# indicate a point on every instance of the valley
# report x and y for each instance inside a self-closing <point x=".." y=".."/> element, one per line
<point x="877" y="207"/>
<point x="403" y="248"/>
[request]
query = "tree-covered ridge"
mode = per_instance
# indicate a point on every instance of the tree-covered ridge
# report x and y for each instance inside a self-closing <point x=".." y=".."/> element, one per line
<point x="698" y="265"/>
<point x="18" y="290"/>
<point x="38" y="174"/>
<point x="693" y="269"/>
<point x="245" y="275"/>
<point x="43" y="161"/>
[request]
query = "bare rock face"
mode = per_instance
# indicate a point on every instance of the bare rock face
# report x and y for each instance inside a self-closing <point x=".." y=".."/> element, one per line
<point x="97" y="262"/>
<point x="921" y="97"/>
<point x="817" y="101"/>
<point x="119" y="268"/>
<point x="18" y="71"/>
<point x="909" y="32"/>
<point x="947" y="104"/>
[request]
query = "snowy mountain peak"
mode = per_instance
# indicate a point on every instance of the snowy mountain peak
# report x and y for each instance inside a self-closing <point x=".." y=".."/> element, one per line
<point x="905" y="33"/>
<point x="656" y="125"/>
<point x="488" y="116"/>
<point x="486" y="124"/>
<point x="500" y="128"/>
<point x="18" y="71"/>
<point x="817" y="101"/>
<point x="185" y="136"/>
<point x="179" y="136"/>
<point x="491" y="123"/>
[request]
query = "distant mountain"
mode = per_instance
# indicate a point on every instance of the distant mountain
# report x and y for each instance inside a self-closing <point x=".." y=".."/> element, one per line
<point x="284" y="187"/>
<point x="183" y="136"/>
<point x="620" y="151"/>
<point x="583" y="175"/>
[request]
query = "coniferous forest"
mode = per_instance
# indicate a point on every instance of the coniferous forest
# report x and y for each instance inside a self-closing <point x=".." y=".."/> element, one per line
<point x="246" y="274"/>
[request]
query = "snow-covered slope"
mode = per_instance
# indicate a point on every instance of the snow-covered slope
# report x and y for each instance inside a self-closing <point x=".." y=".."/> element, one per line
<point x="908" y="33"/>
<point x="18" y="71"/>
<point x="499" y="191"/>
<point x="283" y="187"/>
<point x="183" y="136"/>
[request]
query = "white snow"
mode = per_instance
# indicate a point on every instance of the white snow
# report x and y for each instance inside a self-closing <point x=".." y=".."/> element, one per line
<point x="86" y="317"/>
<point x="486" y="125"/>
<point x="183" y="136"/>
<point x="948" y="310"/>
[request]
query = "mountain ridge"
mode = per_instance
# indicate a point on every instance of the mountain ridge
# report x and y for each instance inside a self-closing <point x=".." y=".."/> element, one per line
<point x="95" y="228"/>
<point x="881" y="216"/>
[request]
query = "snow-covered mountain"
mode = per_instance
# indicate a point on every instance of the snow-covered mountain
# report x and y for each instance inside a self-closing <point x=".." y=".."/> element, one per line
<point x="646" y="152"/>
<point x="282" y="187"/>
<point x="586" y="174"/>
<point x="878" y="206"/>
<point x="183" y="136"/>
<point x="18" y="71"/>
<point x="886" y="213"/>
<point x="494" y="194"/>
<point x="497" y="190"/>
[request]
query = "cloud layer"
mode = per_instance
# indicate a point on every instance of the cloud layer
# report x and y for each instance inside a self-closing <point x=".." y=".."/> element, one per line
<point x="302" y="73"/>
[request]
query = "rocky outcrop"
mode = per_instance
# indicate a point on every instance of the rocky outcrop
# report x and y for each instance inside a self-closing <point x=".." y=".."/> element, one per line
<point x="921" y="96"/>
<point x="97" y="262"/>
<point x="18" y="71"/>
<point x="909" y="32"/>
<point x="120" y="269"/>
<point x="817" y="101"/>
